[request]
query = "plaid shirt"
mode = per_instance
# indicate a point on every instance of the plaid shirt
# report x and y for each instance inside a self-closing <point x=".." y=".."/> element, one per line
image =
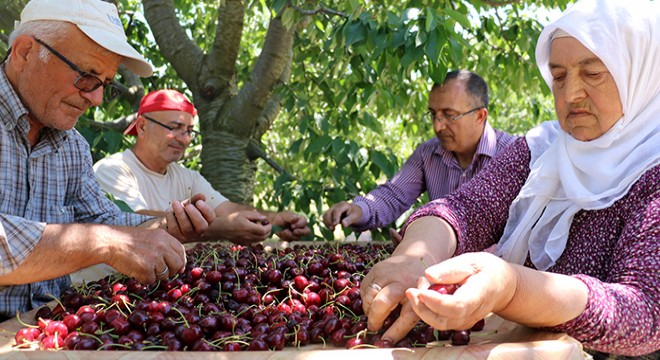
<point x="50" y="183"/>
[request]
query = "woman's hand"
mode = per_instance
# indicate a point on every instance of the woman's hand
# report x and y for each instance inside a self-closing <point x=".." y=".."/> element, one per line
<point x="487" y="284"/>
<point x="427" y="241"/>
<point x="383" y="289"/>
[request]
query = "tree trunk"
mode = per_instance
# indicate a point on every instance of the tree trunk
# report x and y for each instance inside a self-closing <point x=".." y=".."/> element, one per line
<point x="230" y="118"/>
<point x="229" y="167"/>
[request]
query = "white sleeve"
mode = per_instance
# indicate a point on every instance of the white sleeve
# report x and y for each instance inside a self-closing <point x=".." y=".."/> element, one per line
<point x="213" y="197"/>
<point x="116" y="178"/>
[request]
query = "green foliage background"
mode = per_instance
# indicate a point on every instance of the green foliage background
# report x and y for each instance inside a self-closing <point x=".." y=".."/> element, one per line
<point x="359" y="80"/>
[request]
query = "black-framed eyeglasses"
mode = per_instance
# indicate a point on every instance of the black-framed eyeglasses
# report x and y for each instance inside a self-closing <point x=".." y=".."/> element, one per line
<point x="181" y="131"/>
<point x="85" y="81"/>
<point x="432" y="115"/>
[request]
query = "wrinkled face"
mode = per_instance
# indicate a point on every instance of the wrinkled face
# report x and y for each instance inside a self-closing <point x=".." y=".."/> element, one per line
<point x="586" y="97"/>
<point x="165" y="146"/>
<point x="449" y="100"/>
<point x="46" y="88"/>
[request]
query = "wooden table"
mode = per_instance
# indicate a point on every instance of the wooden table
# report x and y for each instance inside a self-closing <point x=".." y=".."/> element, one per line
<point x="500" y="340"/>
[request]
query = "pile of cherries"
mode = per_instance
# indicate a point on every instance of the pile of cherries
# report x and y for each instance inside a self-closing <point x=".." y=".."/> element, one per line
<point x="230" y="298"/>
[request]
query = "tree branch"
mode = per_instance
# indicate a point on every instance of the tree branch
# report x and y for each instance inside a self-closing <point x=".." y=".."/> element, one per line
<point x="118" y="125"/>
<point x="319" y="10"/>
<point x="500" y="3"/>
<point x="222" y="58"/>
<point x="172" y="40"/>
<point x="266" y="74"/>
<point x="134" y="87"/>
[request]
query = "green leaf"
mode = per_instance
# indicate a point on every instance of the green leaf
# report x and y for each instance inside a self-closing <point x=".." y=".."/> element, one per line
<point x="123" y="206"/>
<point x="319" y="25"/>
<point x="433" y="48"/>
<point x="278" y="5"/>
<point x="288" y="18"/>
<point x="430" y="24"/>
<point x="458" y="17"/>
<point x="318" y="145"/>
<point x="370" y="122"/>
<point x="354" y="33"/>
<point x="380" y="160"/>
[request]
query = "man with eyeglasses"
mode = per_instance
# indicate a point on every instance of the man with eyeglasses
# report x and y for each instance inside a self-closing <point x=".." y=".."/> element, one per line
<point x="147" y="176"/>
<point x="54" y="218"/>
<point x="464" y="143"/>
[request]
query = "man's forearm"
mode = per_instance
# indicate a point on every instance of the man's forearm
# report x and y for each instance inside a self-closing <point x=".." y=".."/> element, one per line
<point x="62" y="250"/>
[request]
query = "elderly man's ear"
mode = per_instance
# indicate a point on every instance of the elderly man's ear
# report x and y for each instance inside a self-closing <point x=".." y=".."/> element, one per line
<point x="23" y="48"/>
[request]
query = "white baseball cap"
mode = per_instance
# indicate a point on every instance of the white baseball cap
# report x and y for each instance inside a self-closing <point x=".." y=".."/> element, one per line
<point x="98" y="19"/>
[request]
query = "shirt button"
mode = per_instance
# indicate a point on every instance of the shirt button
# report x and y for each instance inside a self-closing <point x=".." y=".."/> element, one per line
<point x="10" y="127"/>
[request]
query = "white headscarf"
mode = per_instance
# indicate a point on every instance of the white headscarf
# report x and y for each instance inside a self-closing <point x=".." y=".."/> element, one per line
<point x="568" y="175"/>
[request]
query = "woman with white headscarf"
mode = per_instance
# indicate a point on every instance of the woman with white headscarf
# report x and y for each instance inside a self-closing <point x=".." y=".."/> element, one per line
<point x="574" y="207"/>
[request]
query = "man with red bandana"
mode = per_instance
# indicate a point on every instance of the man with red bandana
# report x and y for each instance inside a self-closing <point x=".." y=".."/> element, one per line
<point x="147" y="176"/>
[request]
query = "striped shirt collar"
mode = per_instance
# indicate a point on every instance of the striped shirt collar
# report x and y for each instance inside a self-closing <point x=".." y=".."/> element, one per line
<point x="13" y="110"/>
<point x="487" y="145"/>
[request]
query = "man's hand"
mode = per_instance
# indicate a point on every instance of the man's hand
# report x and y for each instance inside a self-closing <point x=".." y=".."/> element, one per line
<point x="145" y="254"/>
<point x="140" y="252"/>
<point x="245" y="227"/>
<point x="188" y="220"/>
<point x="293" y="226"/>
<point x="344" y="213"/>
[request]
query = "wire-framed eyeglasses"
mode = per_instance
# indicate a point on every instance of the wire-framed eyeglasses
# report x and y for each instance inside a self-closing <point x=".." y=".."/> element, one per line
<point x="85" y="81"/>
<point x="179" y="130"/>
<point x="432" y="115"/>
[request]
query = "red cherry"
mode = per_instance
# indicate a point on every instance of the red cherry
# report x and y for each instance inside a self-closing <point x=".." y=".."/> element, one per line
<point x="445" y="289"/>
<point x="340" y="284"/>
<point x="121" y="325"/>
<point x="383" y="343"/>
<point x="196" y="273"/>
<point x="51" y="342"/>
<point x="122" y="300"/>
<point x="460" y="337"/>
<point x="354" y="342"/>
<point x="56" y="328"/>
<point x="26" y="335"/>
<point x="300" y="282"/>
<point x="312" y="298"/>
<point x="42" y="323"/>
<point x="174" y="294"/>
<point x="117" y="287"/>
<point x="72" y="322"/>
<point x="479" y="325"/>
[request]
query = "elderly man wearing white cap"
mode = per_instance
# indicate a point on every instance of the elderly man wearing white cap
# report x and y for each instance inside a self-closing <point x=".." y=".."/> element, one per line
<point x="54" y="219"/>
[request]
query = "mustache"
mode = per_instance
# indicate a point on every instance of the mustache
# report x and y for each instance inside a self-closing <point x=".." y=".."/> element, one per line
<point x="82" y="103"/>
<point x="579" y="108"/>
<point x="178" y="143"/>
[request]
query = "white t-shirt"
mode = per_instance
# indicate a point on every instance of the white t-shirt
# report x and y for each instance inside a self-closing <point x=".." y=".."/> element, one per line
<point x="127" y="179"/>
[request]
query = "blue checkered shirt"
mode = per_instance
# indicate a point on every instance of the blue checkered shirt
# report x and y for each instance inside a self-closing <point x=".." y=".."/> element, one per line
<point x="50" y="183"/>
